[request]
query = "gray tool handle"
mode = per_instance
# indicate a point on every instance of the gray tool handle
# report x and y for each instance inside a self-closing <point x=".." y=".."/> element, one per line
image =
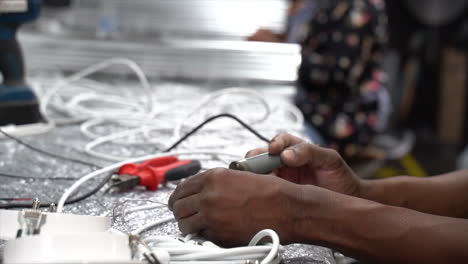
<point x="259" y="164"/>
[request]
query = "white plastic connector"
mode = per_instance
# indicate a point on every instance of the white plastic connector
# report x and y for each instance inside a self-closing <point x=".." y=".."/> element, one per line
<point x="162" y="256"/>
<point x="55" y="224"/>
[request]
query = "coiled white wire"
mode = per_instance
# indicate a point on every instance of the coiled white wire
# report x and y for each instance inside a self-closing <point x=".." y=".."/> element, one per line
<point x="187" y="250"/>
<point x="145" y="129"/>
<point x="96" y="103"/>
<point x="74" y="107"/>
<point x="190" y="252"/>
<point x="212" y="97"/>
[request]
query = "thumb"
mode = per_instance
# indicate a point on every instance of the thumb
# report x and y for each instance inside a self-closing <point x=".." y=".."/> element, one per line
<point x="309" y="154"/>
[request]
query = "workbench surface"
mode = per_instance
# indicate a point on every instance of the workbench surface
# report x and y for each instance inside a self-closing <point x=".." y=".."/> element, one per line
<point x="69" y="141"/>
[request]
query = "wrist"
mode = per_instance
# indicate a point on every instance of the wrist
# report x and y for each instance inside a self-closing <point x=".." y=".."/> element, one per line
<point x="316" y="212"/>
<point x="296" y="205"/>
<point x="386" y="191"/>
<point x="331" y="219"/>
<point x="376" y="190"/>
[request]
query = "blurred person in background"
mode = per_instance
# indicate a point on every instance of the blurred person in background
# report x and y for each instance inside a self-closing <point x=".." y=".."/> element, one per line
<point x="340" y="86"/>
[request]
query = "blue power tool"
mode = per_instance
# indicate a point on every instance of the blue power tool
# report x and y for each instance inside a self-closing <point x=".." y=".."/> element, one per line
<point x="18" y="103"/>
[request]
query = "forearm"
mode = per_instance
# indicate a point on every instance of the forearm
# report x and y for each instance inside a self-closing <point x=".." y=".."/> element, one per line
<point x="445" y="195"/>
<point x="380" y="233"/>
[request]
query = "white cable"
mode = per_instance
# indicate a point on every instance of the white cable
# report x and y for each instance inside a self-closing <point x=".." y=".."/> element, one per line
<point x="275" y="243"/>
<point x="114" y="166"/>
<point x="223" y="253"/>
<point x="189" y="252"/>
<point x="125" y="210"/>
<point x="142" y="208"/>
<point x="145" y="129"/>
<point x="85" y="127"/>
<point x="213" y="96"/>
<point x="79" y="102"/>
<point x="27" y="129"/>
<point x="151" y="110"/>
<point x="144" y="121"/>
<point x="101" y="140"/>
<point x="116" y="107"/>
<point x="153" y="224"/>
<point x="158" y="124"/>
<point x="139" y="122"/>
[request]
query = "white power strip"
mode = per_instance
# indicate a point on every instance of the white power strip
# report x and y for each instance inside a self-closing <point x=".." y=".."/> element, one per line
<point x="63" y="239"/>
<point x="55" y="223"/>
<point x="96" y="248"/>
<point x="35" y="237"/>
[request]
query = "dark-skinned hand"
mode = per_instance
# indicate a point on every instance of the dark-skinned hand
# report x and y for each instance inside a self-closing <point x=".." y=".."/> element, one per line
<point x="229" y="207"/>
<point x="306" y="163"/>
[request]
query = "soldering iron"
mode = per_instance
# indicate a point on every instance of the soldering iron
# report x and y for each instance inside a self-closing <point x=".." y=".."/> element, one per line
<point x="259" y="164"/>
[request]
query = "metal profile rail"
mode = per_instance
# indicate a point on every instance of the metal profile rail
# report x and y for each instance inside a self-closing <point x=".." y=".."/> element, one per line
<point x="183" y="58"/>
<point x="202" y="18"/>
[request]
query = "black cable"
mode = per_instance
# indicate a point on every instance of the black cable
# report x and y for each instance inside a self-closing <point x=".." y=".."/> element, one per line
<point x="91" y="192"/>
<point x="71" y="201"/>
<point x="172" y="147"/>
<point x="43" y="205"/>
<point x="193" y="131"/>
<point x="50" y="154"/>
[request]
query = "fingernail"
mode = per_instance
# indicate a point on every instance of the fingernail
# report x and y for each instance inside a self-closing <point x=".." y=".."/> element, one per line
<point x="288" y="154"/>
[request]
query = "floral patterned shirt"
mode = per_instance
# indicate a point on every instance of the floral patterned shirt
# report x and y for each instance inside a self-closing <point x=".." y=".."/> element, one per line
<point x="341" y="84"/>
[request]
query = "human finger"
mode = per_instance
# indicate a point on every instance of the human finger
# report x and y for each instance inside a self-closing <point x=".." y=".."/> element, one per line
<point x="186" y="207"/>
<point x="306" y="153"/>
<point x="192" y="224"/>
<point x="186" y="188"/>
<point x="282" y="141"/>
<point x="255" y="152"/>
